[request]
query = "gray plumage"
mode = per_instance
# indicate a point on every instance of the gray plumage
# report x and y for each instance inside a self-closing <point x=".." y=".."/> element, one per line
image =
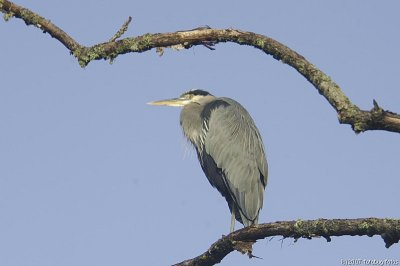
<point x="229" y="148"/>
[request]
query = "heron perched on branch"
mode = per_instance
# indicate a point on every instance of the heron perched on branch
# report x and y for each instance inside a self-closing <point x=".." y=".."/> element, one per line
<point x="229" y="148"/>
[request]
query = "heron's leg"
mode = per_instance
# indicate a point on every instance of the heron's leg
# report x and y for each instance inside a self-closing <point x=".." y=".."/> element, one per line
<point x="233" y="221"/>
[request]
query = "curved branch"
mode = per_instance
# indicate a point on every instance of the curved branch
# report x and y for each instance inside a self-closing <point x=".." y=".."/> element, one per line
<point x="348" y="113"/>
<point x="242" y="240"/>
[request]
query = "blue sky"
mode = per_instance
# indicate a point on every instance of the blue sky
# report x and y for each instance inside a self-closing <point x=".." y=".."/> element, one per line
<point x="91" y="175"/>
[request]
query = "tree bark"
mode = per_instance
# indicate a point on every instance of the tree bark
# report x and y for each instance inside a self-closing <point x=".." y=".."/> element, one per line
<point x="348" y="113"/>
<point x="242" y="240"/>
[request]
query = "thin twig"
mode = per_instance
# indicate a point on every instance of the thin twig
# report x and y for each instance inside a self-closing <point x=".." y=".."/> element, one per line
<point x="122" y="30"/>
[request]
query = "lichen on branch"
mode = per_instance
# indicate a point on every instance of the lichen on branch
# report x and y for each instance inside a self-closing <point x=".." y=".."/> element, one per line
<point x="348" y="113"/>
<point x="242" y="240"/>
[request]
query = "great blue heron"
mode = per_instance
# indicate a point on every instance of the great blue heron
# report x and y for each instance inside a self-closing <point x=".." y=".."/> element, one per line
<point x="229" y="148"/>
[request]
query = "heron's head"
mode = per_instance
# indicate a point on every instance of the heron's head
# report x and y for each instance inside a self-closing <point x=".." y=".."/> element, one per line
<point x="192" y="96"/>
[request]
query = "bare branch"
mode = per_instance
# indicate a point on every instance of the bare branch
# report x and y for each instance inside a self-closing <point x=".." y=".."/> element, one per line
<point x="348" y="113"/>
<point x="241" y="240"/>
<point x="30" y="18"/>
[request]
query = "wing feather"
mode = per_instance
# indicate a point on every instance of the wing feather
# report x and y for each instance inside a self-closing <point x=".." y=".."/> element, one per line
<point x="233" y="142"/>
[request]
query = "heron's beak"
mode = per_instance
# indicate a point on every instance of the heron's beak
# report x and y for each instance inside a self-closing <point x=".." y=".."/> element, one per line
<point x="171" y="102"/>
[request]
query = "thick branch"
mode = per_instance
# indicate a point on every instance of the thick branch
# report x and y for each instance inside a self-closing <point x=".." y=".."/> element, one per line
<point x="348" y="113"/>
<point x="241" y="240"/>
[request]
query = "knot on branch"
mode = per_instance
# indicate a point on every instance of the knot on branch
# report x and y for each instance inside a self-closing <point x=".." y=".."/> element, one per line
<point x="392" y="233"/>
<point x="244" y="247"/>
<point x="375" y="119"/>
<point x="390" y="238"/>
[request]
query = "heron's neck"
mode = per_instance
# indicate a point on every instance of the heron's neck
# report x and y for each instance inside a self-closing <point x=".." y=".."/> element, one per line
<point x="191" y="123"/>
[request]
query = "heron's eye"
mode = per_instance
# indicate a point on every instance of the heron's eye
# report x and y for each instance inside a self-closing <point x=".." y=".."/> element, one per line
<point x="188" y="96"/>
